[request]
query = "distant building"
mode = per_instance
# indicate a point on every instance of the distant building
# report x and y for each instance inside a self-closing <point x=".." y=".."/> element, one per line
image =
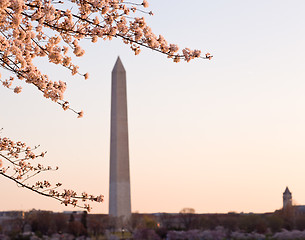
<point x="8" y="221"/>
<point x="10" y="215"/>
<point x="287" y="198"/>
<point x="287" y="203"/>
<point x="73" y="212"/>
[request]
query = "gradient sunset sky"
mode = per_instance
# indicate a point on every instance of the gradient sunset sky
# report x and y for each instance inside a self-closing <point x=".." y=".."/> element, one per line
<point x="217" y="136"/>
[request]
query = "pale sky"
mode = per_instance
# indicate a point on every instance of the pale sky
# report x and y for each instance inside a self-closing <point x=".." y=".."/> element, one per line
<point x="217" y="136"/>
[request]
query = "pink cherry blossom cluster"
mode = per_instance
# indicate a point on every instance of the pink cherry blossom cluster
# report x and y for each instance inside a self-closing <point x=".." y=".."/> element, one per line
<point x="31" y="29"/>
<point x="48" y="28"/>
<point x="17" y="164"/>
<point x="221" y="233"/>
<point x="247" y="236"/>
<point x="218" y="233"/>
<point x="289" y="235"/>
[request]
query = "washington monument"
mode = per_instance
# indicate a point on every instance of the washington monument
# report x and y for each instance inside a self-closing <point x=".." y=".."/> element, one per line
<point x="119" y="188"/>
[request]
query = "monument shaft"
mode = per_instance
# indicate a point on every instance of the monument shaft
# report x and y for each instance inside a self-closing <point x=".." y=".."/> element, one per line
<point x="119" y="189"/>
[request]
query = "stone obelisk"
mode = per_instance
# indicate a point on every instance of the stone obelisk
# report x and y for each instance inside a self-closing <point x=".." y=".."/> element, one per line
<point x="119" y="188"/>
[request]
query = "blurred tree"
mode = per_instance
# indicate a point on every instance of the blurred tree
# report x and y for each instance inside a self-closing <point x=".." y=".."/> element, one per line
<point x="230" y="222"/>
<point x="134" y="222"/>
<point x="41" y="221"/>
<point x="150" y="222"/>
<point x="147" y="234"/>
<point x="187" y="218"/>
<point x="288" y="214"/>
<point x="253" y="223"/>
<point x="84" y="222"/>
<point x="97" y="224"/>
<point x="300" y="222"/>
<point x="76" y="228"/>
<point x="60" y="222"/>
<point x="275" y="222"/>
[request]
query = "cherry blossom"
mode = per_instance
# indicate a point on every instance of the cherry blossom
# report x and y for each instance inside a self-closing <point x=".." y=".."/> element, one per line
<point x="34" y="29"/>
<point x="49" y="29"/>
<point x="20" y="167"/>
